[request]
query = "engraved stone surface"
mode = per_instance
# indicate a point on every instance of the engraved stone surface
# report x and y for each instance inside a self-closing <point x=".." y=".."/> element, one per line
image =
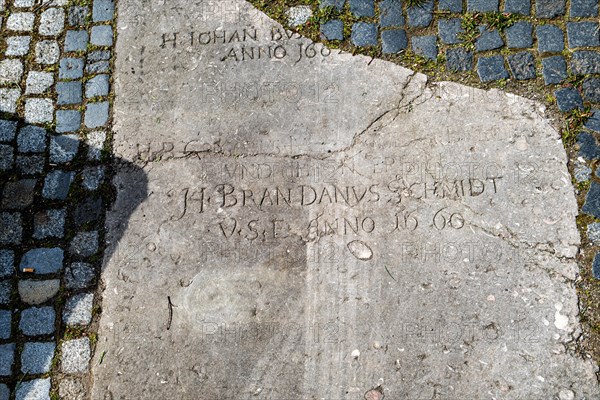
<point x="296" y="234"/>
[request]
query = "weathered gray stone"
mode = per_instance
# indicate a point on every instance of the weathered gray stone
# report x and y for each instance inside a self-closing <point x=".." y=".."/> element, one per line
<point x="293" y="270"/>
<point x="72" y="389"/>
<point x="37" y="389"/>
<point x="47" y="52"/>
<point x="8" y="100"/>
<point x="38" y="292"/>
<point x="92" y="177"/>
<point x="38" y="82"/>
<point x="17" y="45"/>
<point x="298" y="15"/>
<point x="84" y="244"/>
<point x="75" y="356"/>
<point x="20" y="21"/>
<point x="39" y="110"/>
<point x="11" y="70"/>
<point x="78" y="310"/>
<point x="79" y="275"/>
<point x="52" y="21"/>
<point x="95" y="141"/>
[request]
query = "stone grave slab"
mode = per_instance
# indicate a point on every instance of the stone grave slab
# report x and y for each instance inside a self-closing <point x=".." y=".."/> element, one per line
<point x="315" y="225"/>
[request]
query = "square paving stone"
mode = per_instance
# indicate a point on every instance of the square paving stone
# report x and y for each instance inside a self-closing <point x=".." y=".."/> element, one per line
<point x="7" y="263"/>
<point x="554" y="69"/>
<point x="20" y="22"/>
<point x="549" y="8"/>
<point x="68" y="121"/>
<point x="11" y="71"/>
<point x="333" y="30"/>
<point x="584" y="8"/>
<point x="77" y="15"/>
<point x="76" y="41"/>
<point x="491" y="68"/>
<point x="96" y="114"/>
<point x="63" y="148"/>
<point x="37" y="389"/>
<point x="394" y="40"/>
<point x="591" y="90"/>
<point x="92" y="177"/>
<point x="482" y="5"/>
<point x="69" y="93"/>
<point x="7" y="359"/>
<point x="49" y="223"/>
<point x="585" y="62"/>
<point x="6" y="157"/>
<point x="84" y="244"/>
<point x="39" y="111"/>
<point x="592" y="201"/>
<point x="18" y="195"/>
<point x="17" y="45"/>
<point x="36" y="357"/>
<point x="420" y="16"/>
<point x="31" y="139"/>
<point x="551" y="39"/>
<point x="5" y="324"/>
<point x="390" y="13"/>
<point x="103" y="10"/>
<point x="99" y="67"/>
<point x="52" y="21"/>
<point x="6" y="289"/>
<point x="363" y="34"/>
<point x="99" y="85"/>
<point x="89" y="210"/>
<point x="102" y="35"/>
<point x="100" y="55"/>
<point x="520" y="35"/>
<point x="38" y="82"/>
<point x="57" y="185"/>
<point x="488" y="40"/>
<point x="517" y="6"/>
<point x="568" y="99"/>
<point x="11" y="228"/>
<point x="8" y="130"/>
<point x="47" y="52"/>
<point x="522" y="65"/>
<point x="71" y="68"/>
<point x="75" y="356"/>
<point x="78" y="310"/>
<point x="8" y="100"/>
<point x="79" y="275"/>
<point x="449" y="30"/>
<point x="425" y="46"/>
<point x="362" y="8"/>
<point x="583" y="34"/>
<point x="30" y="165"/>
<point x="337" y="4"/>
<point x="43" y="260"/>
<point x="588" y="146"/>
<point x="454" y="6"/>
<point x="4" y="390"/>
<point x="37" y="321"/>
<point x="593" y="122"/>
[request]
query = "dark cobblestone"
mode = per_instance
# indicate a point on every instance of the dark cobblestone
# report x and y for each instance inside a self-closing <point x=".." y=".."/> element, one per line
<point x="6" y="157"/>
<point x="362" y="8"/>
<point x="103" y="10"/>
<point x="549" y="8"/>
<point x="454" y="6"/>
<point x="71" y="68"/>
<point x="568" y="99"/>
<point x="593" y="123"/>
<point x="30" y="165"/>
<point x="76" y="41"/>
<point x="482" y="5"/>
<point x="390" y="13"/>
<point x="18" y="195"/>
<point x="584" y="8"/>
<point x="49" y="223"/>
<point x="7" y="263"/>
<point x="57" y="184"/>
<point x="68" y="121"/>
<point x="63" y="148"/>
<point x="520" y="35"/>
<point x="77" y="16"/>
<point x="588" y="146"/>
<point x="551" y="39"/>
<point x="5" y="325"/>
<point x="591" y="90"/>
<point x="43" y="260"/>
<point x="420" y="16"/>
<point x="522" y="65"/>
<point x="97" y="67"/>
<point x="554" y="69"/>
<point x="363" y="34"/>
<point x="89" y="210"/>
<point x="36" y="358"/>
<point x="488" y="40"/>
<point x="425" y="46"/>
<point x="8" y="130"/>
<point x="592" y="201"/>
<point x="585" y="62"/>
<point x="393" y="41"/>
<point x="583" y="34"/>
<point x="491" y="68"/>
<point x="333" y="30"/>
<point x="69" y="93"/>
<point x="31" y="139"/>
<point x="449" y="29"/>
<point x="11" y="228"/>
<point x="517" y="6"/>
<point x="459" y="59"/>
<point x="37" y="321"/>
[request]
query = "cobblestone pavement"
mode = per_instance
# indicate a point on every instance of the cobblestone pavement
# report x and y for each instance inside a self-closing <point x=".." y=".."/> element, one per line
<point x="55" y="82"/>
<point x="55" y="118"/>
